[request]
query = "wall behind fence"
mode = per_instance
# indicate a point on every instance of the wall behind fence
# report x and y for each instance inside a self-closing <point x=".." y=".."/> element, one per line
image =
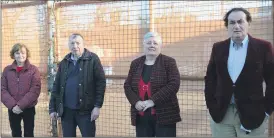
<point x="114" y="30"/>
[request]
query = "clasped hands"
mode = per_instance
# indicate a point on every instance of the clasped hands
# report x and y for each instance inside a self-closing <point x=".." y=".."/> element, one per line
<point x="16" y="109"/>
<point x="144" y="105"/>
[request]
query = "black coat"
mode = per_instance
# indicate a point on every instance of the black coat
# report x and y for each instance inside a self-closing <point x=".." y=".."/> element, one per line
<point x="91" y="87"/>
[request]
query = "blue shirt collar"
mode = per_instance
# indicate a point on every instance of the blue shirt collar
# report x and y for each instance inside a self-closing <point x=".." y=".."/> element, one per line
<point x="244" y="42"/>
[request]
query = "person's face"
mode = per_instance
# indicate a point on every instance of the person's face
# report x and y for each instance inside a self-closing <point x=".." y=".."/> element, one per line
<point x="76" y="45"/>
<point x="152" y="46"/>
<point x="237" y="25"/>
<point x="21" y="55"/>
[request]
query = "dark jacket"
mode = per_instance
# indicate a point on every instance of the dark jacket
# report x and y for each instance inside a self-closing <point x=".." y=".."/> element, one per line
<point x="91" y="87"/>
<point x="248" y="89"/>
<point x="165" y="83"/>
<point x="20" y="88"/>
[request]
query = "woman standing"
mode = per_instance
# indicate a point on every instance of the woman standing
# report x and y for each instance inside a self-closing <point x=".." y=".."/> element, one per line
<point x="151" y="87"/>
<point x="20" y="89"/>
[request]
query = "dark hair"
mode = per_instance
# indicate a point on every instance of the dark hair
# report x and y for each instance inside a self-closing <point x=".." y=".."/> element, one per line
<point x="248" y="16"/>
<point x="18" y="46"/>
<point x="76" y="34"/>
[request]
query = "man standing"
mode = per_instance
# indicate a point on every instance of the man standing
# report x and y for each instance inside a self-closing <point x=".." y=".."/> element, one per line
<point x="78" y="90"/>
<point x="234" y="80"/>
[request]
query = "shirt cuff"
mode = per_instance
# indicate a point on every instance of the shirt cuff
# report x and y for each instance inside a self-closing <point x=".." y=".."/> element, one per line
<point x="97" y="106"/>
<point x="242" y="127"/>
<point x="267" y="114"/>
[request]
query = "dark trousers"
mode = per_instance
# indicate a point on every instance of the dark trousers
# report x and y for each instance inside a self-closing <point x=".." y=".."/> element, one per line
<point x="146" y="126"/>
<point x="71" y="119"/>
<point x="15" y="122"/>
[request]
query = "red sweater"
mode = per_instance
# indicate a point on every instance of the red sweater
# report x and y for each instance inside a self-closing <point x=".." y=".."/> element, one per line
<point x="143" y="89"/>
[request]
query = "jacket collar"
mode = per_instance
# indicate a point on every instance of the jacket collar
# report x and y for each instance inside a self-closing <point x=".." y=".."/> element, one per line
<point x="85" y="56"/>
<point x="250" y="40"/>
<point x="25" y="67"/>
<point x="143" y="58"/>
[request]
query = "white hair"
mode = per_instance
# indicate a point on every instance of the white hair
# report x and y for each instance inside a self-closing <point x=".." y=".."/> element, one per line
<point x="155" y="35"/>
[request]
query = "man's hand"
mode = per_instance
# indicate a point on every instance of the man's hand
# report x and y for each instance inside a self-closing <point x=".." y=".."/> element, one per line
<point x="94" y="114"/>
<point x="140" y="105"/>
<point x="53" y="115"/>
<point x="148" y="104"/>
<point x="16" y="109"/>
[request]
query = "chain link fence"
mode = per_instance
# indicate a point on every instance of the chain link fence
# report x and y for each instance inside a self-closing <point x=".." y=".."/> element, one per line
<point x="26" y="22"/>
<point x="114" y="30"/>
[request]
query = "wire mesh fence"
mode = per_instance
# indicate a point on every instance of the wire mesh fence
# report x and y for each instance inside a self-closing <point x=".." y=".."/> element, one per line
<point x="114" y="30"/>
<point x="27" y="24"/>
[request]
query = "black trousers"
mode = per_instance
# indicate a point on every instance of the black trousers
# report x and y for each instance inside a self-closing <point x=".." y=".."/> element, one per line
<point x="15" y="122"/>
<point x="71" y="119"/>
<point x="146" y="126"/>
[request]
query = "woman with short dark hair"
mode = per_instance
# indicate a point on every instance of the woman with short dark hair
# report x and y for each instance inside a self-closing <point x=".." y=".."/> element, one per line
<point x="20" y="89"/>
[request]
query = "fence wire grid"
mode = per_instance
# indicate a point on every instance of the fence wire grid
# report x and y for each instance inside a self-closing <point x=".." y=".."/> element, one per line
<point x="114" y="30"/>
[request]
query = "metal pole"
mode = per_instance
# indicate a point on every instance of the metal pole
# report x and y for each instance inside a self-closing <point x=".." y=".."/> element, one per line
<point x="1" y="53"/>
<point x="151" y="17"/>
<point x="51" y="65"/>
<point x="51" y="73"/>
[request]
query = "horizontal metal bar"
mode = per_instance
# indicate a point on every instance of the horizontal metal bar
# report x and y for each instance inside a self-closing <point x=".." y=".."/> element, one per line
<point x="123" y="77"/>
<point x="23" y="4"/>
<point x="79" y="2"/>
<point x="182" y="77"/>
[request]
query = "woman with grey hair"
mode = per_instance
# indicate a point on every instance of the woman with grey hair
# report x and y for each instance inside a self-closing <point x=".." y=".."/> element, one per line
<point x="151" y="87"/>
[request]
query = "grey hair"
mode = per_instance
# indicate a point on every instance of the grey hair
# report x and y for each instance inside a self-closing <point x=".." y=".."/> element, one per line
<point x="74" y="35"/>
<point x="153" y="34"/>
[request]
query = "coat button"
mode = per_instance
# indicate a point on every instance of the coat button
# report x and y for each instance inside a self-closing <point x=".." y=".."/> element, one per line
<point x="80" y="100"/>
<point x="80" y="84"/>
